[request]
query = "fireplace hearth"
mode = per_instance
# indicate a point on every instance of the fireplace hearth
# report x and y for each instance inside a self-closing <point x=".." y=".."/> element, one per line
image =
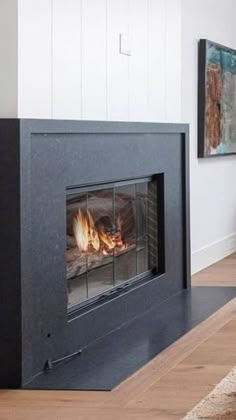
<point x="94" y="222"/>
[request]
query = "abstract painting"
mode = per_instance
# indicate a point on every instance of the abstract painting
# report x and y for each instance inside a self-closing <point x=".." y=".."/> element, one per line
<point x="216" y="100"/>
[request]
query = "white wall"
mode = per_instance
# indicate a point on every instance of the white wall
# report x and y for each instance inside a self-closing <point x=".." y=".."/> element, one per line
<point x="8" y="54"/>
<point x="66" y="64"/>
<point x="213" y="192"/>
<point x="34" y="59"/>
<point x="69" y="65"/>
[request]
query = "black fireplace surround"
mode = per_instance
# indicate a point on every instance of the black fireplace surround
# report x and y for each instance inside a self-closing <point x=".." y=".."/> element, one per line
<point x="43" y="165"/>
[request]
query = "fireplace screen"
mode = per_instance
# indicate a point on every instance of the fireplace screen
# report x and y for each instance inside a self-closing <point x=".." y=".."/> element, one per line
<point x="111" y="237"/>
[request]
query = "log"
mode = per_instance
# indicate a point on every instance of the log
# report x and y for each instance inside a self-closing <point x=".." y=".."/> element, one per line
<point x="77" y="262"/>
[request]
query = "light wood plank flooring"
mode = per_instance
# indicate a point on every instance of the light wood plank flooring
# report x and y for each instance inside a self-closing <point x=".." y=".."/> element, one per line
<point x="220" y="274"/>
<point x="165" y="389"/>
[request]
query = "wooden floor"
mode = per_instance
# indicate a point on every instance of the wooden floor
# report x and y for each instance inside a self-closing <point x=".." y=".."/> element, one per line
<point x="165" y="389"/>
<point x="220" y="274"/>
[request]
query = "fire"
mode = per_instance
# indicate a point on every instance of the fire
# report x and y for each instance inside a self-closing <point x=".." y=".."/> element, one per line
<point x="107" y="240"/>
<point x="84" y="231"/>
<point x="93" y="234"/>
<point x="80" y="228"/>
<point x="101" y="236"/>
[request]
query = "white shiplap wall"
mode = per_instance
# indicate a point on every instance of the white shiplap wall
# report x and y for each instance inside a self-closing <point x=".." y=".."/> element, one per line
<point x="69" y="65"/>
<point x="34" y="59"/>
<point x="117" y="64"/>
<point x="66" y="59"/>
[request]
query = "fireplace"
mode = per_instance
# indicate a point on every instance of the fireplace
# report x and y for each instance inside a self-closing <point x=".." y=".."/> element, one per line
<point x="95" y="230"/>
<point x="111" y="237"/>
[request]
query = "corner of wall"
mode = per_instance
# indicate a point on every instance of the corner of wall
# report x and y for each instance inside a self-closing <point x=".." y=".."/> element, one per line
<point x="213" y="252"/>
<point x="8" y="53"/>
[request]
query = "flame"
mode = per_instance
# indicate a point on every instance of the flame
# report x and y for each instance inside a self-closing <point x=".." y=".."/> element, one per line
<point x="80" y="228"/>
<point x="108" y="241"/>
<point x="84" y="231"/>
<point x="91" y="236"/>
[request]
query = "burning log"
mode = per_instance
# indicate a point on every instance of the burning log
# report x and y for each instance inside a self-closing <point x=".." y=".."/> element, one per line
<point x="109" y="234"/>
<point x="102" y="235"/>
<point x="93" y="238"/>
<point x="79" y="262"/>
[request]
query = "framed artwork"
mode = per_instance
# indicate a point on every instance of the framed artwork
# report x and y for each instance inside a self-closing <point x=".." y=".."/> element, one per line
<point x="216" y="100"/>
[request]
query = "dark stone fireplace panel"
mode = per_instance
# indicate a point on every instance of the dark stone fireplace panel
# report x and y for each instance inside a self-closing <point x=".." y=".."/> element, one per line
<point x="46" y="159"/>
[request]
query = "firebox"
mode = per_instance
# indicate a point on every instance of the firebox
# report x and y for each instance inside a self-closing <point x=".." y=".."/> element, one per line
<point x="94" y="224"/>
<point x="111" y="237"/>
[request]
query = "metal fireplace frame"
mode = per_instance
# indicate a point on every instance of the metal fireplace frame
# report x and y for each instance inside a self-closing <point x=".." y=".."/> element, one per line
<point x="39" y="161"/>
<point x="139" y="278"/>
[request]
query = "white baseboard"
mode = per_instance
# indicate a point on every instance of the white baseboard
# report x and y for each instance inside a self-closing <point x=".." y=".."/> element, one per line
<point x="203" y="257"/>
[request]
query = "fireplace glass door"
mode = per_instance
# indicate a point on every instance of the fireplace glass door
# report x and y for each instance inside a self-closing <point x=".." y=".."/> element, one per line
<point x="111" y="238"/>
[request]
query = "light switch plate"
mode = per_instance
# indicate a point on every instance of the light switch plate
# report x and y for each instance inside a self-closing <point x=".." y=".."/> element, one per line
<point x="125" y="47"/>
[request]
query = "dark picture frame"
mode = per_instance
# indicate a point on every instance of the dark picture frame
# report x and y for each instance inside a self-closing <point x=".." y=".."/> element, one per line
<point x="216" y="100"/>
